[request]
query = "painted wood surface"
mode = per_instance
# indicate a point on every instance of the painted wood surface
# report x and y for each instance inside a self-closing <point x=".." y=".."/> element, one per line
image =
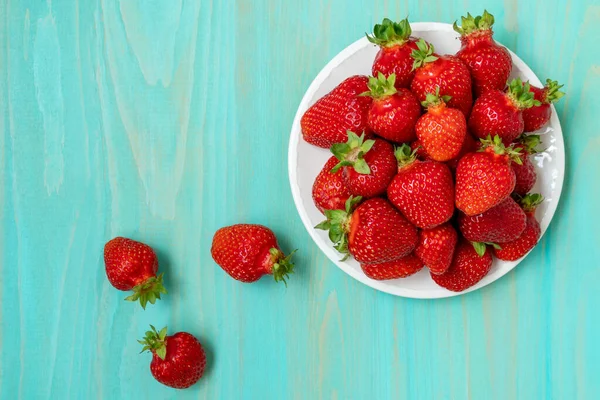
<point x="164" y="120"/>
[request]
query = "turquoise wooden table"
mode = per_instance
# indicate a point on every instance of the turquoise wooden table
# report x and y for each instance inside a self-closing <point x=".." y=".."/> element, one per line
<point x="164" y="120"/>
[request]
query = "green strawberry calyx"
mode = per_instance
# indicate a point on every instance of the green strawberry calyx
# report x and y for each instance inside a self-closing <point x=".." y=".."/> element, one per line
<point x="423" y="54"/>
<point x="338" y="225"/>
<point x="351" y="153"/>
<point x="530" y="201"/>
<point x="496" y="146"/>
<point x="148" y="291"/>
<point x="155" y="342"/>
<point x="481" y="247"/>
<point x="281" y="265"/>
<point x="519" y="94"/>
<point x="390" y="33"/>
<point x="470" y="24"/>
<point x="553" y="93"/>
<point x="433" y="100"/>
<point x="405" y="155"/>
<point x="380" y="86"/>
<point x="529" y="143"/>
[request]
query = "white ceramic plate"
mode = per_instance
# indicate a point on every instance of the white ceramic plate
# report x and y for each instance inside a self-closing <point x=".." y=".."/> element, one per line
<point x="305" y="161"/>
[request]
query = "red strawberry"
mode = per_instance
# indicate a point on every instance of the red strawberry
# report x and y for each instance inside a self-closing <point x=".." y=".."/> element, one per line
<point x="342" y="109"/>
<point x="178" y="361"/>
<point x="516" y="249"/>
<point x="537" y="116"/>
<point x="417" y="148"/>
<point x="469" y="145"/>
<point x="446" y="72"/>
<point x="373" y="233"/>
<point x="525" y="173"/>
<point x="368" y="166"/>
<point x="501" y="113"/>
<point x="467" y="269"/>
<point x="247" y="252"/>
<point x="132" y="265"/>
<point x="500" y="224"/>
<point x="485" y="178"/>
<point x="396" y="47"/>
<point x="436" y="247"/>
<point x="441" y="130"/>
<point x="329" y="191"/>
<point x="394" y="112"/>
<point x="422" y="190"/>
<point x="489" y="63"/>
<point x="402" y="268"/>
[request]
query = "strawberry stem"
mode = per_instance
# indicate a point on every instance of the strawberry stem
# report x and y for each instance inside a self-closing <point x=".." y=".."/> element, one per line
<point x="434" y="99"/>
<point x="469" y="24"/>
<point x="155" y="342"/>
<point x="338" y="225"/>
<point x="148" y="291"/>
<point x="351" y="153"/>
<point x="553" y="94"/>
<point x="390" y="33"/>
<point x="381" y="86"/>
<point x="499" y="148"/>
<point x="530" y="201"/>
<point x="282" y="265"/>
<point x="529" y="143"/>
<point x="423" y="54"/>
<point x="518" y="92"/>
<point x="405" y="155"/>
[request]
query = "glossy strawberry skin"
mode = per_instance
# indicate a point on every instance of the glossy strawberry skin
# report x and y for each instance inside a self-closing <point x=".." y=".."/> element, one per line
<point x="516" y="249"/>
<point x="421" y="153"/>
<point x="379" y="233"/>
<point x="402" y="268"/>
<point x="525" y="175"/>
<point x="329" y="191"/>
<point x="489" y="63"/>
<point x="396" y="60"/>
<point x="129" y="263"/>
<point x="383" y="165"/>
<point x="469" y="145"/>
<point x="243" y="251"/>
<point x="436" y="247"/>
<point x="451" y="76"/>
<point x="394" y="117"/>
<point x="327" y="121"/>
<point x="483" y="180"/>
<point x="466" y="270"/>
<point x="495" y="113"/>
<point x="442" y="132"/>
<point x="424" y="192"/>
<point x="500" y="224"/>
<point x="184" y="362"/>
<point x="536" y="117"/>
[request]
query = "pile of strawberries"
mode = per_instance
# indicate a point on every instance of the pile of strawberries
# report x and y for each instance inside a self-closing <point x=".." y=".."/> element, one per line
<point x="430" y="162"/>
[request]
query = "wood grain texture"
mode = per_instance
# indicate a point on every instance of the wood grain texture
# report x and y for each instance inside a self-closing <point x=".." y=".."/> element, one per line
<point x="164" y="120"/>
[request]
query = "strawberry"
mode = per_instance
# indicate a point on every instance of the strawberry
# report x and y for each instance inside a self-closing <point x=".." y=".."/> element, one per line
<point x="446" y="72"/>
<point x="132" y="265"/>
<point x="537" y="116"/>
<point x="467" y="268"/>
<point x="485" y="178"/>
<point x="525" y="173"/>
<point x="516" y="249"/>
<point x="422" y="190"/>
<point x="469" y="145"/>
<point x="247" y="252"/>
<point x="342" y="109"/>
<point x="501" y="113"/>
<point x="329" y="191"/>
<point x="489" y="63"/>
<point x="401" y="268"/>
<point x="441" y="130"/>
<point x="436" y="247"/>
<point x="394" y="112"/>
<point x="417" y="148"/>
<point x="178" y="361"/>
<point x="396" y="46"/>
<point x="500" y="224"/>
<point x="373" y="232"/>
<point x="368" y="166"/>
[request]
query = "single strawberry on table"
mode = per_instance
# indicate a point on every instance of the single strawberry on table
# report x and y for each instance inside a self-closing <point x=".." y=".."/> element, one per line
<point x="367" y="166"/>
<point x="537" y="116"/>
<point x="247" y="252"/>
<point x="485" y="178"/>
<point x="441" y="130"/>
<point x="516" y="249"/>
<point x="401" y="268"/>
<point x="501" y="113"/>
<point x="436" y="247"/>
<point x="394" y="112"/>
<point x="132" y="265"/>
<point x="327" y="121"/>
<point x="525" y="172"/>
<point x="178" y="360"/>
<point x="423" y="191"/>
<point x="467" y="268"/>
<point x="329" y="191"/>
<point x="396" y="46"/>
<point x="447" y="72"/>
<point x="489" y="63"/>
<point x="373" y="232"/>
<point x="500" y="224"/>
